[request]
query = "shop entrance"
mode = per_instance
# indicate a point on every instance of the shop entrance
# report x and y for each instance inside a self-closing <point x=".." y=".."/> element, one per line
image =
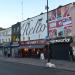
<point x="35" y="53"/>
<point x="60" y="51"/>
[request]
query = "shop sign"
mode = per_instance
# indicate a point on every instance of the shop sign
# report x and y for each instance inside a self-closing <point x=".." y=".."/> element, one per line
<point x="33" y="42"/>
<point x="60" y="40"/>
<point x="62" y="20"/>
<point x="39" y="27"/>
<point x="15" y="44"/>
<point x="35" y="28"/>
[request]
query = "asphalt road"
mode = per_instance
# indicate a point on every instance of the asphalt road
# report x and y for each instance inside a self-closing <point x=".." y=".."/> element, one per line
<point x="10" y="68"/>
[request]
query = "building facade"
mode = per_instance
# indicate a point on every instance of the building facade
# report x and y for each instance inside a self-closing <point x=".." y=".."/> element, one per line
<point x="30" y="37"/>
<point x="33" y="35"/>
<point x="5" y="41"/>
<point x="60" y="31"/>
<point x="15" y="39"/>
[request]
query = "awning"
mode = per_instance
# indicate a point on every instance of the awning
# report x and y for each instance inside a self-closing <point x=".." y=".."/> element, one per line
<point x="1" y="46"/>
<point x="15" y="45"/>
<point x="32" y="46"/>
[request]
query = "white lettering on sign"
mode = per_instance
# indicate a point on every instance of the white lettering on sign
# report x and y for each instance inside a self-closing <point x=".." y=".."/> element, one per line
<point x="60" y="40"/>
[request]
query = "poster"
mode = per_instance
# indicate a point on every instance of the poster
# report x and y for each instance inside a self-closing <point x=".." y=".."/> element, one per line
<point x="60" y="32"/>
<point x="62" y="11"/>
<point x="59" y="13"/>
<point x="52" y="24"/>
<point x="67" y="10"/>
<point x="67" y="21"/>
<point x="52" y="15"/>
<point x="53" y="33"/>
<point x="68" y="30"/>
<point x="59" y="23"/>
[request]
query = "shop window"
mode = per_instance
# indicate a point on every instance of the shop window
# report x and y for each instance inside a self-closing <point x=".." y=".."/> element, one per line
<point x="26" y="50"/>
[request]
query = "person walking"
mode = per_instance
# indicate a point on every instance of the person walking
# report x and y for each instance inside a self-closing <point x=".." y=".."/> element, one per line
<point x="71" y="53"/>
<point x="49" y="64"/>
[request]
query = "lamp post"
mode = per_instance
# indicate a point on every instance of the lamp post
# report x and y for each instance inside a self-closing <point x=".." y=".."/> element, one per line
<point x="49" y="64"/>
<point x="47" y="18"/>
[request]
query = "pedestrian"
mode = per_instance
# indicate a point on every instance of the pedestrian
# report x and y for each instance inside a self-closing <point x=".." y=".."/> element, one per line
<point x="49" y="53"/>
<point x="42" y="55"/>
<point x="9" y="53"/>
<point x="5" y="53"/>
<point x="71" y="53"/>
<point x="49" y="64"/>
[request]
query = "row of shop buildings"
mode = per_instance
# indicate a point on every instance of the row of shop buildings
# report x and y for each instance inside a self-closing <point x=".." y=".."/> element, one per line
<point x="29" y="38"/>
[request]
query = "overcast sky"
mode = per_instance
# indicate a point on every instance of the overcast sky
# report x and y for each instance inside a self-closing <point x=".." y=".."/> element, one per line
<point x="11" y="10"/>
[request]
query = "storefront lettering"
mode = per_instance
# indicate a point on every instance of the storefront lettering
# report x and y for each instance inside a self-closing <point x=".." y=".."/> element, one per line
<point x="60" y="40"/>
<point x="39" y="27"/>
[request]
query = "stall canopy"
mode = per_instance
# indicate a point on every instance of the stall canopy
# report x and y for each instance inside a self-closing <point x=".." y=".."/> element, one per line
<point x="33" y="46"/>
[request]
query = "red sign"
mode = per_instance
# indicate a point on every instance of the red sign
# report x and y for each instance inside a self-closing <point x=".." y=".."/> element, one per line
<point x="33" y="42"/>
<point x="59" y="23"/>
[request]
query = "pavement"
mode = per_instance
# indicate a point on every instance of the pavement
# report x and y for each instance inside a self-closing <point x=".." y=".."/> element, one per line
<point x="60" y="64"/>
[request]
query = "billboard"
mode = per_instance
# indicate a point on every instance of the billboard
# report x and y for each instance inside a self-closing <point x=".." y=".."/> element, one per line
<point x="34" y="28"/>
<point x="60" y="22"/>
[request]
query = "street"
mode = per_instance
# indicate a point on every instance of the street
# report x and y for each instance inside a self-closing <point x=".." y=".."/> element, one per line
<point x="13" y="68"/>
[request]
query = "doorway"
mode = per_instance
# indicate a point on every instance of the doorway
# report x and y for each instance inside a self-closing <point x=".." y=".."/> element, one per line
<point x="60" y="51"/>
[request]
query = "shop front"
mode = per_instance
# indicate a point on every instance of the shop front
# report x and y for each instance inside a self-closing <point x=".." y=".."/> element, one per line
<point x="1" y="50"/>
<point x="7" y="49"/>
<point x="33" y="48"/>
<point x="15" y="38"/>
<point x="15" y="49"/>
<point x="61" y="48"/>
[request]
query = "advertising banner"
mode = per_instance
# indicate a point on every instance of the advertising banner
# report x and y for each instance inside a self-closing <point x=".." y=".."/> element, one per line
<point x="52" y="15"/>
<point x="60" y="22"/>
<point x="52" y="24"/>
<point x="34" y="28"/>
<point x="53" y="33"/>
<point x="68" y="30"/>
